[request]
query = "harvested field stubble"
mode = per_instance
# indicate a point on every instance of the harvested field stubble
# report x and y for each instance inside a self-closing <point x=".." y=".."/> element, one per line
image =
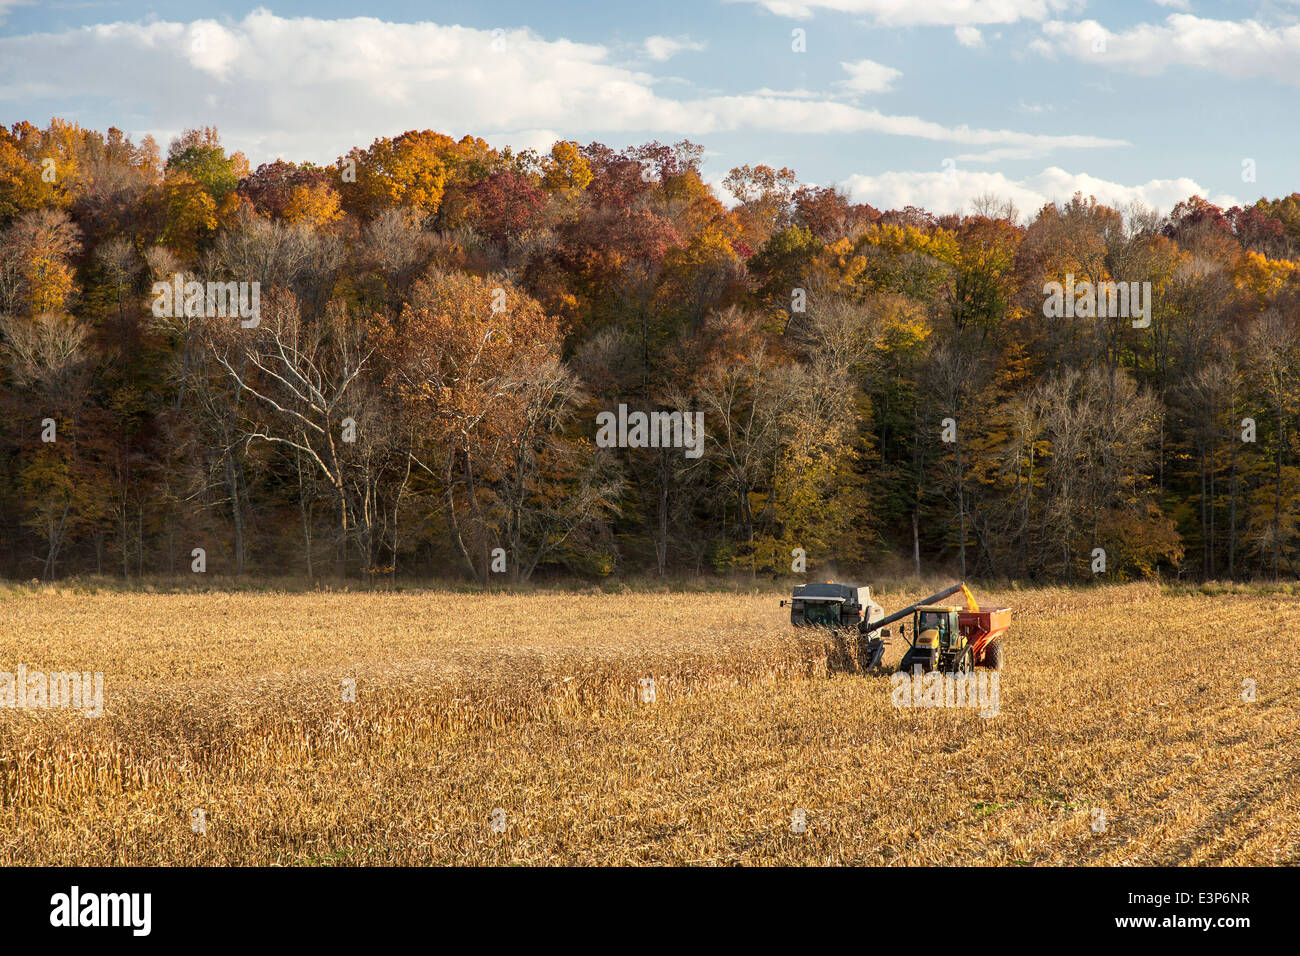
<point x="1126" y="701"/>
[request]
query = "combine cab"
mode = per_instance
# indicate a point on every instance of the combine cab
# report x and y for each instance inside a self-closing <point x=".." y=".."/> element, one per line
<point x="832" y="605"/>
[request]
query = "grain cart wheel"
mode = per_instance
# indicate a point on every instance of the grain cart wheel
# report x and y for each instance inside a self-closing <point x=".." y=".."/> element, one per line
<point x="993" y="656"/>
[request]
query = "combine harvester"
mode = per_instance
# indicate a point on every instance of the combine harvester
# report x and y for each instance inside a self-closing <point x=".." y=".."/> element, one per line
<point x="833" y="605"/>
<point x="945" y="637"/>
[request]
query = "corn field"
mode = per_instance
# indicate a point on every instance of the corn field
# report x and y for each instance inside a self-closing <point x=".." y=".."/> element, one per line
<point x="1136" y="726"/>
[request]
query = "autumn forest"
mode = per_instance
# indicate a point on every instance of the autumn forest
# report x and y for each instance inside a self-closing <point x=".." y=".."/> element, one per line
<point x="439" y="325"/>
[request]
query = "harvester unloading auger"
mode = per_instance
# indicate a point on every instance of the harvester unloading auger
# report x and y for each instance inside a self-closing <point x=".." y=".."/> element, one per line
<point x="945" y="637"/>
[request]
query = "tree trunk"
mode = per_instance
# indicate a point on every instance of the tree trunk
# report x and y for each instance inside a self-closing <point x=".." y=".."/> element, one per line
<point x="125" y="542"/>
<point x="1277" y="496"/>
<point x="236" y="513"/>
<point x="340" y="550"/>
<point x="55" y="540"/>
<point x="1205" y="525"/>
<point x="305" y="509"/>
<point x="471" y="489"/>
<point x="453" y="522"/>
<point x="1232" y="509"/>
<point x="961" y="511"/>
<point x="916" y="541"/>
<point x="661" y="542"/>
<point x="397" y="505"/>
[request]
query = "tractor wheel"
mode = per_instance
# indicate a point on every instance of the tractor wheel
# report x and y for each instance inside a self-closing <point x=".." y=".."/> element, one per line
<point x="993" y="656"/>
<point x="912" y="659"/>
<point x="963" y="663"/>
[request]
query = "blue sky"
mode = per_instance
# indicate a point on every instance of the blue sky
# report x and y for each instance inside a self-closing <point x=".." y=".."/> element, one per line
<point x="931" y="102"/>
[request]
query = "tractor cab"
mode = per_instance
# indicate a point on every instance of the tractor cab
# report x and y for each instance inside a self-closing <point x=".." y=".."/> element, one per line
<point x="941" y="620"/>
<point x="938" y="641"/>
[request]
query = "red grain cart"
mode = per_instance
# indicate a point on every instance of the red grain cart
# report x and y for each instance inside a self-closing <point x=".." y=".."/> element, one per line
<point x="981" y="630"/>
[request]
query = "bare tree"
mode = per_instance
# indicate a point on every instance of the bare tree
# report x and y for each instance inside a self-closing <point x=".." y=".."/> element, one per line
<point x="553" y="488"/>
<point x="741" y="403"/>
<point x="298" y="375"/>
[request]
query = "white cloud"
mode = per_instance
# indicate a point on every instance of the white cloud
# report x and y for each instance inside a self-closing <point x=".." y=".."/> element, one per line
<point x="925" y="12"/>
<point x="211" y="47"/>
<point x="540" y="140"/>
<point x="724" y="195"/>
<point x="867" y="76"/>
<point x="1000" y="154"/>
<point x="812" y="116"/>
<point x="786" y="94"/>
<point x="311" y="89"/>
<point x="945" y="191"/>
<point x="7" y="5"/>
<point x="660" y="48"/>
<point x="969" y="37"/>
<point x="1235" y="48"/>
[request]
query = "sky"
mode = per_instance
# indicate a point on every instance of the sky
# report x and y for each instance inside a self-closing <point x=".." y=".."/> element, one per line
<point x="923" y="102"/>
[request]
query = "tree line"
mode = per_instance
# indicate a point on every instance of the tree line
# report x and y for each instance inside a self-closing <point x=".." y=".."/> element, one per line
<point x="439" y="325"/>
